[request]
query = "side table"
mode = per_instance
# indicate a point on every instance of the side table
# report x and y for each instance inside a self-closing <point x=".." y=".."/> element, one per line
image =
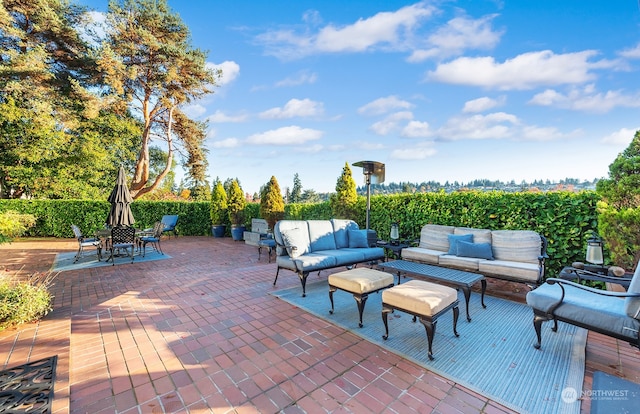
<point x="392" y="250"/>
<point x="573" y="274"/>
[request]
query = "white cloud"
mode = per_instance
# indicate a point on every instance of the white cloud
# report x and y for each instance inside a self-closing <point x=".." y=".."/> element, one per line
<point x="300" y="79"/>
<point x="295" y="108"/>
<point x="290" y="135"/>
<point x="311" y="149"/>
<point x="624" y="136"/>
<point x="194" y="110"/>
<point x="416" y="129"/>
<point x="534" y="133"/>
<point x="384" y="29"/>
<point x="586" y="99"/>
<point x="230" y="71"/>
<point x="631" y="53"/>
<point x="369" y="145"/>
<point x="482" y="104"/>
<point x="458" y="35"/>
<point x="226" y="143"/>
<point x="391" y="123"/>
<point x="220" y="117"/>
<point x="496" y="125"/>
<point x="413" y="153"/>
<point x="383" y="105"/>
<point x="525" y="71"/>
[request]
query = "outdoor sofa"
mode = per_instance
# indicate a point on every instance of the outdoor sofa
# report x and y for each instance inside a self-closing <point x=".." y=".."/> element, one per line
<point x="513" y="255"/>
<point x="305" y="246"/>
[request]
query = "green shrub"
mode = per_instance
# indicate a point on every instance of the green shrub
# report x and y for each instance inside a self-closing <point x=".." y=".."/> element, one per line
<point x="24" y="301"/>
<point x="14" y="224"/>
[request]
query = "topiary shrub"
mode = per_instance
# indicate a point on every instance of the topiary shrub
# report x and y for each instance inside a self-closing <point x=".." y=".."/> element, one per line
<point x="271" y="203"/>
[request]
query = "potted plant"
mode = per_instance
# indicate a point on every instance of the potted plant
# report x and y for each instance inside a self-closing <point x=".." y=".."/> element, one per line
<point x="236" y="202"/>
<point x="218" y="210"/>
<point x="271" y="203"/>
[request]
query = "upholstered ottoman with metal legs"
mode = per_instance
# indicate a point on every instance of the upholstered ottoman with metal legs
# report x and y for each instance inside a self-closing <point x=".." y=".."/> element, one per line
<point x="359" y="282"/>
<point x="423" y="300"/>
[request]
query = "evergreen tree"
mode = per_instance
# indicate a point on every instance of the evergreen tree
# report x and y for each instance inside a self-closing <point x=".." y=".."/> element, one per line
<point x="622" y="189"/>
<point x="296" y="191"/>
<point x="149" y="64"/>
<point x="218" y="208"/>
<point x="619" y="213"/>
<point x="55" y="140"/>
<point x="271" y="202"/>
<point x="236" y="202"/>
<point x="343" y="201"/>
<point x="310" y="196"/>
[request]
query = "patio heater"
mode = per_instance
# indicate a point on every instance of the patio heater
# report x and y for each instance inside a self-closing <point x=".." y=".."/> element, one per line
<point x="373" y="174"/>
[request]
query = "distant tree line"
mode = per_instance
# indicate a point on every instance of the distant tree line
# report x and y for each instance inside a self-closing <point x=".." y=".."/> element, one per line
<point x="567" y="184"/>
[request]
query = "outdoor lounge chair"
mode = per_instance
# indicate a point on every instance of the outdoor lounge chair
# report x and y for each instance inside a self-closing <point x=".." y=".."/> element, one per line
<point x="170" y="223"/>
<point x="122" y="238"/>
<point x="153" y="237"/>
<point x="613" y="314"/>
<point x="86" y="242"/>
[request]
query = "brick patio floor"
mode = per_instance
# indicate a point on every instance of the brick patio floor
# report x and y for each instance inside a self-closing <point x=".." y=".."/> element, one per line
<point x="199" y="333"/>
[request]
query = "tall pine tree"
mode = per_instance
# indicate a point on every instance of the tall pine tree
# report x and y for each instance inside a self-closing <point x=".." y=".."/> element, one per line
<point x="343" y="201"/>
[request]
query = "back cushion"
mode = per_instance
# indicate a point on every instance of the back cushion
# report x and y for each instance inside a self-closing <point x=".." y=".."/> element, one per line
<point x="516" y="245"/>
<point x="340" y="231"/>
<point x="321" y="235"/>
<point x="296" y="232"/>
<point x="479" y="235"/>
<point x="435" y="237"/>
<point x="632" y="305"/>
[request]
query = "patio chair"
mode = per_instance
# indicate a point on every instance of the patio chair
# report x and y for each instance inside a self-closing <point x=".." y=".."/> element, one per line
<point x="613" y="314"/>
<point x="122" y="238"/>
<point x="86" y="242"/>
<point x="153" y="238"/>
<point x="170" y="224"/>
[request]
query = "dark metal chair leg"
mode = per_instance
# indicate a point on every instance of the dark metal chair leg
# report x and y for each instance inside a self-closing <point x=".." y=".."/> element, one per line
<point x="361" y="300"/>
<point x="430" y="327"/>
<point x="385" y="314"/>
<point x="331" y="290"/>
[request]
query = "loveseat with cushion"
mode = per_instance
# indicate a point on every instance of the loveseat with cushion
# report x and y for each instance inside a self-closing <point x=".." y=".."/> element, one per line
<point x="513" y="255"/>
<point x="613" y="314"/>
<point x="304" y="246"/>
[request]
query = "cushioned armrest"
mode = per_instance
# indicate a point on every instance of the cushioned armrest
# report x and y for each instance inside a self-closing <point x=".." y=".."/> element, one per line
<point x="562" y="282"/>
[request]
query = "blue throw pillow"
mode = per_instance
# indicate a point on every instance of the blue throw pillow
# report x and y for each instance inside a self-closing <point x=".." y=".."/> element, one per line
<point x="455" y="238"/>
<point x="358" y="238"/>
<point x="477" y="250"/>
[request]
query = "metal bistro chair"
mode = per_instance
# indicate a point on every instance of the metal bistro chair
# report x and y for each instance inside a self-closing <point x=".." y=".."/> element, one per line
<point x="170" y="224"/>
<point x="85" y="242"/>
<point x="153" y="238"/>
<point x="122" y="238"/>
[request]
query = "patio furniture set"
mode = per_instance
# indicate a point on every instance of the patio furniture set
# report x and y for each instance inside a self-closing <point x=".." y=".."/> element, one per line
<point x="456" y="257"/>
<point x="125" y="239"/>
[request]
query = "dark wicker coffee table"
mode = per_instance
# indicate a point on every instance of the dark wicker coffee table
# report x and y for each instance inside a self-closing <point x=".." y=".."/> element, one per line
<point x="460" y="279"/>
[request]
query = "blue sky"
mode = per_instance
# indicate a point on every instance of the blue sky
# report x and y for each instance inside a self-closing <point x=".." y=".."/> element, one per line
<point x="435" y="90"/>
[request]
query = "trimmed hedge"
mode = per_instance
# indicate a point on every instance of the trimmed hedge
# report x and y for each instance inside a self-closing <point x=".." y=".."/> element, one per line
<point x="566" y="219"/>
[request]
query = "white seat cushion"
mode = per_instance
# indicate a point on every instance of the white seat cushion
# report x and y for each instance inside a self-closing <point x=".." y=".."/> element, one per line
<point x="360" y="280"/>
<point x="420" y="254"/>
<point x="422" y="298"/>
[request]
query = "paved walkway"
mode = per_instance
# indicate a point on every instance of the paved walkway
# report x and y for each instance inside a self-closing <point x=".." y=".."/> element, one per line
<point x="199" y="333"/>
